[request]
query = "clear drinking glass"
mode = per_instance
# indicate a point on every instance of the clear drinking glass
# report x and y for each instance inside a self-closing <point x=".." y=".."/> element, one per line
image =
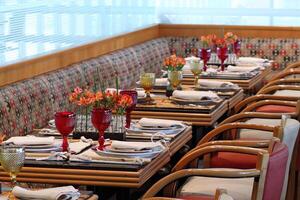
<point x="12" y="160"/>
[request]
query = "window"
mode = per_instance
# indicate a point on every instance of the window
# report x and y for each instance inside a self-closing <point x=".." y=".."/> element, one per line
<point x="32" y="27"/>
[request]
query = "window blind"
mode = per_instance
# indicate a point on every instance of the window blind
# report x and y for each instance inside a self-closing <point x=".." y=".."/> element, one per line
<point x="29" y="28"/>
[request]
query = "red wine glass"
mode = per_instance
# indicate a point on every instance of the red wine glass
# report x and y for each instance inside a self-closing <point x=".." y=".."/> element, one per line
<point x="237" y="48"/>
<point x="133" y="94"/>
<point x="65" y="123"/>
<point x="205" y="54"/>
<point x="101" y="119"/>
<point x="222" y="53"/>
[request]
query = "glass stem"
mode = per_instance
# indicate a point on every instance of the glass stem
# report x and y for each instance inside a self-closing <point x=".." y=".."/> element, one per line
<point x="65" y="144"/>
<point x="128" y="119"/>
<point x="196" y="80"/>
<point x="101" y="141"/>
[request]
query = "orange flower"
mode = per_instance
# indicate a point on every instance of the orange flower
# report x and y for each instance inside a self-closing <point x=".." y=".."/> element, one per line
<point x="173" y="63"/>
<point x="230" y="38"/>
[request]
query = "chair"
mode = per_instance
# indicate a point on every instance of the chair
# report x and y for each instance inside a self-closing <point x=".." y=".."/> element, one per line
<point x="288" y="74"/>
<point x="283" y="91"/>
<point x="269" y="104"/>
<point x="282" y="81"/>
<point x="290" y="137"/>
<point x="240" y="184"/>
<point x="295" y="65"/>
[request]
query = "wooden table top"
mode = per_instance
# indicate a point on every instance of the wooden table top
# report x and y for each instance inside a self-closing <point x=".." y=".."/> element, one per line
<point x="95" y="175"/>
<point x="246" y="84"/>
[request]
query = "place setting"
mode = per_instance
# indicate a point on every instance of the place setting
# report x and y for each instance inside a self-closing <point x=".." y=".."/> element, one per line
<point x="155" y="129"/>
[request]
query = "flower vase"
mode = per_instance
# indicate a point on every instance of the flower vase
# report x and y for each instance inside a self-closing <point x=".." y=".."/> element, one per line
<point x="101" y="119"/>
<point x="116" y="130"/>
<point x="175" y="78"/>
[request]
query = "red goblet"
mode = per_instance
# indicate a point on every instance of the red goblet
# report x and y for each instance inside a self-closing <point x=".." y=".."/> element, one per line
<point x="133" y="94"/>
<point x="101" y="119"/>
<point x="222" y="53"/>
<point x="204" y="54"/>
<point x="237" y="48"/>
<point x="65" y="123"/>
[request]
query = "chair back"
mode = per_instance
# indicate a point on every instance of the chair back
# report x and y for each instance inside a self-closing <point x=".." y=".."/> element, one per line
<point x="275" y="172"/>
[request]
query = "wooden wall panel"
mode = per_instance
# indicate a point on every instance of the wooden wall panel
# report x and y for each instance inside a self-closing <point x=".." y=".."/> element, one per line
<point x="30" y="68"/>
<point x="219" y="30"/>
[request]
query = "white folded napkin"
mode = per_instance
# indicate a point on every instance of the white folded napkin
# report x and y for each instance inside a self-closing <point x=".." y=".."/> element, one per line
<point x="58" y="193"/>
<point x="251" y="60"/>
<point x="137" y="146"/>
<point x="216" y="84"/>
<point x="30" y="140"/>
<point x="195" y="95"/>
<point x="150" y="122"/>
<point x="141" y="93"/>
<point x="186" y="70"/>
<point x="76" y="147"/>
<point x="192" y="58"/>
<point x="161" y="82"/>
<point x="231" y="68"/>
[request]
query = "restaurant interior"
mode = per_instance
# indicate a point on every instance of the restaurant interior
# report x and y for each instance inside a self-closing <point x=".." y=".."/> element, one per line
<point x="149" y="99"/>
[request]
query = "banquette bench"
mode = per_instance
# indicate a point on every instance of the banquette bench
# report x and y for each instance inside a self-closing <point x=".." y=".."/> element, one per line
<point x="29" y="104"/>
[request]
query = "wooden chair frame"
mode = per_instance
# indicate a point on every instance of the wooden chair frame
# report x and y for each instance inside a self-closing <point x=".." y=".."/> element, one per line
<point x="285" y="73"/>
<point x="282" y="81"/>
<point x="178" y="172"/>
<point x="292" y="66"/>
<point x="271" y="89"/>
<point x="217" y="196"/>
<point x="277" y="130"/>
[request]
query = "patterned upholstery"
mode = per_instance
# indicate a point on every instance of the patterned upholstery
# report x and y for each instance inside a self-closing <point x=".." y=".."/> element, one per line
<point x="31" y="103"/>
<point x="282" y="51"/>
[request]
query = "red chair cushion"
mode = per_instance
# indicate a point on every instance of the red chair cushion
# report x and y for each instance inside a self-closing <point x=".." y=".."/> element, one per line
<point x="276" y="109"/>
<point x="233" y="160"/>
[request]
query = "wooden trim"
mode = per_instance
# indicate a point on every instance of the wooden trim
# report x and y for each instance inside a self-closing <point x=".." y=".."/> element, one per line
<point x="46" y="63"/>
<point x="219" y="30"/>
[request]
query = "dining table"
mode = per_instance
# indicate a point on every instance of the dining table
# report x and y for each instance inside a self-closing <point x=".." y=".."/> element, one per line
<point x="250" y="84"/>
<point x="197" y="115"/>
<point x="108" y="174"/>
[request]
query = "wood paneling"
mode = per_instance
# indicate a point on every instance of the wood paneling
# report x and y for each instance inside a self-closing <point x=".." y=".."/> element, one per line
<point x="30" y="68"/>
<point x="219" y="30"/>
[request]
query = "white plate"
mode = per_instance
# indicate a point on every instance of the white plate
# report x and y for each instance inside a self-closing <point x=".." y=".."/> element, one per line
<point x="107" y="152"/>
<point x="43" y="150"/>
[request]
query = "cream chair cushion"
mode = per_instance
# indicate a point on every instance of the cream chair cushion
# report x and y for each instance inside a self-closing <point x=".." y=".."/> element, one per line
<point x="289" y="93"/>
<point x="240" y="188"/>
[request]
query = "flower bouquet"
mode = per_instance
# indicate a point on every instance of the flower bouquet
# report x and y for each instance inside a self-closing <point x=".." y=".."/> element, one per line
<point x="103" y="105"/>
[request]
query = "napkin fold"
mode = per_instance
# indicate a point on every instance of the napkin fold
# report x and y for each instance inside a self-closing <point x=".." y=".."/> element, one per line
<point x="77" y="147"/>
<point x="216" y="84"/>
<point x="137" y="146"/>
<point x="251" y="60"/>
<point x="195" y="95"/>
<point x="30" y="140"/>
<point x="231" y="68"/>
<point x="58" y="193"/>
<point x="141" y="93"/>
<point x="161" y="82"/>
<point x="150" y="122"/>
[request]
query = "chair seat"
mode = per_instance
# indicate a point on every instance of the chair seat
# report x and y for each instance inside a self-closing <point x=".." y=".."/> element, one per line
<point x="239" y="188"/>
<point x="289" y="93"/>
<point x="276" y="109"/>
<point x="233" y="160"/>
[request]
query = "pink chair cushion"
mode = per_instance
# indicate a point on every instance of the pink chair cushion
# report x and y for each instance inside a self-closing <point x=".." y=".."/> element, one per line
<point x="233" y="160"/>
<point x="276" y="172"/>
<point x="276" y="109"/>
